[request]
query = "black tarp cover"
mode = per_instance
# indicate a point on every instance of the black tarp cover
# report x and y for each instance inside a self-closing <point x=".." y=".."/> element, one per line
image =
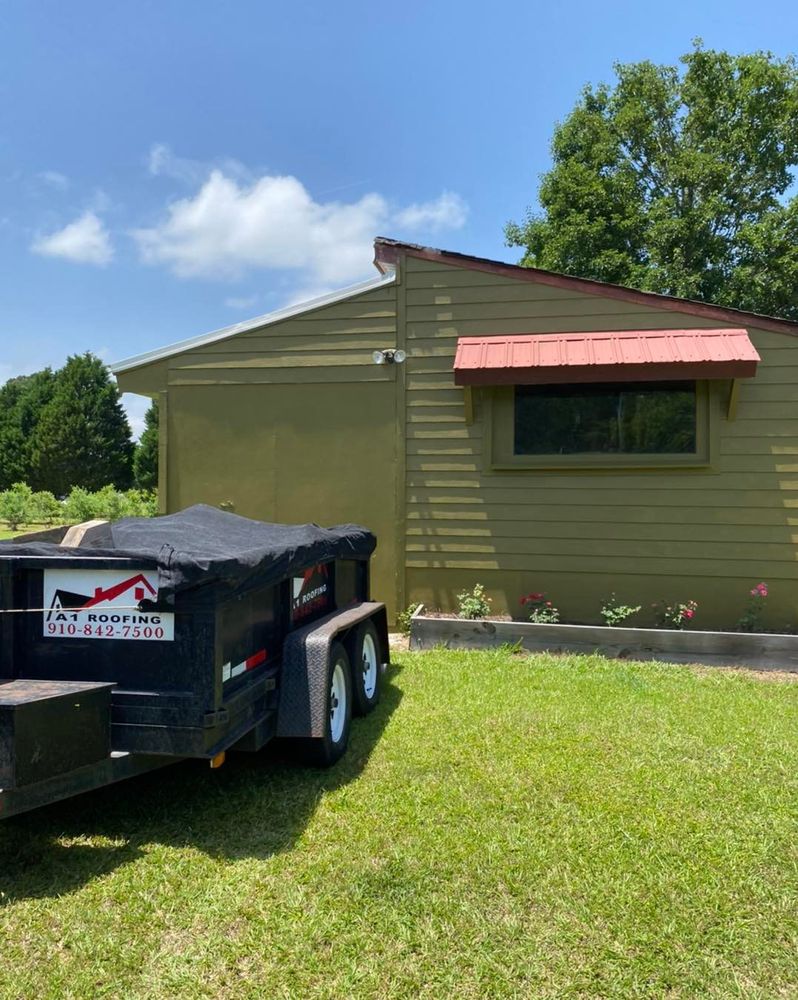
<point x="203" y="543"/>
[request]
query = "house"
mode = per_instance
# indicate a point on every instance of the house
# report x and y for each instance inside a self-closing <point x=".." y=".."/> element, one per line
<point x="544" y="433"/>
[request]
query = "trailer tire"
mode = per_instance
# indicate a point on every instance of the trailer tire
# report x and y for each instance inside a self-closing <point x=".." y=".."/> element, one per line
<point x="326" y="750"/>
<point x="366" y="669"/>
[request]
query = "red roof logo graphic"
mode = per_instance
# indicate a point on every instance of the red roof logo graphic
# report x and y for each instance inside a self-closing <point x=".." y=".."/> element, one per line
<point x="138" y="582"/>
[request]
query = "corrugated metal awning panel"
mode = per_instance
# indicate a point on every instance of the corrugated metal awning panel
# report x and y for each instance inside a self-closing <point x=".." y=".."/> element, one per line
<point x="616" y="356"/>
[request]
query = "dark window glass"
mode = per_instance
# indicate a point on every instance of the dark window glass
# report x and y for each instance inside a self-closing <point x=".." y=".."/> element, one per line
<point x="633" y="418"/>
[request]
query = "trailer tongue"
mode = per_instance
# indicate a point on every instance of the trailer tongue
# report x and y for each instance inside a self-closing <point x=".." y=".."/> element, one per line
<point x="181" y="636"/>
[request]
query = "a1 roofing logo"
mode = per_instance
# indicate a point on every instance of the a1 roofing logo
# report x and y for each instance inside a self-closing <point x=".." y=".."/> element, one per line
<point x="310" y="591"/>
<point x="103" y="604"/>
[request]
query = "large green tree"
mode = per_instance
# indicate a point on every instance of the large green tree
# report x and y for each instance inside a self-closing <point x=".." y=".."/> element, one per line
<point x="145" y="459"/>
<point x="22" y="400"/>
<point x="82" y="437"/>
<point x="678" y="180"/>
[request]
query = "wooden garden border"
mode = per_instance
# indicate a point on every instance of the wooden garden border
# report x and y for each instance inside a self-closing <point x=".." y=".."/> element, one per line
<point x="761" y="651"/>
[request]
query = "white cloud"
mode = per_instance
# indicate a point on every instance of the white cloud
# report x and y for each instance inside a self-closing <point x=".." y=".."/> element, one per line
<point x="447" y="212"/>
<point x="232" y="225"/>
<point x="53" y="179"/>
<point x="84" y="241"/>
<point x="228" y="228"/>
<point x="161" y="162"/>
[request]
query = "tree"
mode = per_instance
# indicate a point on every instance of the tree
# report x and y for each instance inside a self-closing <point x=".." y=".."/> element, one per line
<point x="82" y="437"/>
<point x="677" y="181"/>
<point x="16" y="505"/>
<point x="21" y="403"/>
<point x="145" y="459"/>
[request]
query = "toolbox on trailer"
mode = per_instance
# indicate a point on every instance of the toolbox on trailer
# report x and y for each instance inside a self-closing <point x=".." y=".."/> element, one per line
<point x="47" y="729"/>
<point x="184" y="636"/>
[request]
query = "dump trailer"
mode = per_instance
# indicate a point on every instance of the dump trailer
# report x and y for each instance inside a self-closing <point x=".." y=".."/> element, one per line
<point x="152" y="640"/>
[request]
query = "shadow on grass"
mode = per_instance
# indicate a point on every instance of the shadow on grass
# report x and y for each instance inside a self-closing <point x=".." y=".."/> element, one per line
<point x="255" y="806"/>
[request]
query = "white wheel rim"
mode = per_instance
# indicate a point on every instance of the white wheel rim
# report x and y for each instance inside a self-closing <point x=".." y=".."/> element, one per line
<point x="337" y="702"/>
<point x="370" y="666"/>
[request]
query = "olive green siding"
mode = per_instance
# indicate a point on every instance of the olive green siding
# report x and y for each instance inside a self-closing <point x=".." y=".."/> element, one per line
<point x="647" y="534"/>
<point x="293" y="421"/>
<point x="288" y="422"/>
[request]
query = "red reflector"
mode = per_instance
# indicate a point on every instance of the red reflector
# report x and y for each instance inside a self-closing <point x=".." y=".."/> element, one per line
<point x="255" y="660"/>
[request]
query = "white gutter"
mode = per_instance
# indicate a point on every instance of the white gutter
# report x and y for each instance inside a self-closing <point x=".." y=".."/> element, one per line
<point x="252" y="324"/>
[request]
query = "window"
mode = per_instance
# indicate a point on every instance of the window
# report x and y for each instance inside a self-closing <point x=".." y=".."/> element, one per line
<point x="631" y="418"/>
<point x="601" y="424"/>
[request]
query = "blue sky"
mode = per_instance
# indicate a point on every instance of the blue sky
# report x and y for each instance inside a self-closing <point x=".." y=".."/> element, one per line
<point x="167" y="168"/>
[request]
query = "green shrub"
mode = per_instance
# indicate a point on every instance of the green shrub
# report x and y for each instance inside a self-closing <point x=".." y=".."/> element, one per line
<point x="751" y="618"/>
<point x="20" y="505"/>
<point x="678" y="615"/>
<point x="473" y="603"/>
<point x="614" y="613"/>
<point x="16" y="505"/>
<point x="540" y="608"/>
<point x="79" y="506"/>
<point x="46" y="509"/>
<point x="109" y="504"/>
<point x="142" y="503"/>
<point x="403" y="618"/>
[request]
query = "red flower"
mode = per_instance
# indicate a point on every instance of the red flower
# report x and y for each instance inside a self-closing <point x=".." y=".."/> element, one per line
<point x="536" y="597"/>
<point x="688" y="613"/>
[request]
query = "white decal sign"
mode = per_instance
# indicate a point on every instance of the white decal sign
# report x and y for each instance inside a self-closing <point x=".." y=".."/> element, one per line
<point x="103" y="604"/>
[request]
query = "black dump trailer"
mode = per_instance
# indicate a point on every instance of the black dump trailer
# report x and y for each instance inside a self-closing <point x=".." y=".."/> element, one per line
<point x="188" y="635"/>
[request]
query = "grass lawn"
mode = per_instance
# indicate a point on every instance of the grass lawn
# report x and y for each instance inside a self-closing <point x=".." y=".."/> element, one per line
<point x="503" y="826"/>
<point x="6" y="532"/>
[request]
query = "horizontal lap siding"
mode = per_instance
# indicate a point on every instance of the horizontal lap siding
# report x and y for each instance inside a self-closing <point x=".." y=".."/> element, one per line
<point x="331" y="344"/>
<point x="737" y="520"/>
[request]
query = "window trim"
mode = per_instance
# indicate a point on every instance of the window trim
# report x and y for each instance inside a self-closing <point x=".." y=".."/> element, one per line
<point x="501" y="439"/>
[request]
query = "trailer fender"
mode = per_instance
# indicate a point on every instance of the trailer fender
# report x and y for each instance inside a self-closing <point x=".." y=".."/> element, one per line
<point x="306" y="656"/>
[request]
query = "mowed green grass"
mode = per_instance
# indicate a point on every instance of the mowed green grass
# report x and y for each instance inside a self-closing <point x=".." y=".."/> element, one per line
<point x="6" y="532"/>
<point x="503" y="826"/>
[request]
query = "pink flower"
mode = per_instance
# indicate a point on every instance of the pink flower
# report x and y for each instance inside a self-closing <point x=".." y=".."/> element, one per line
<point x="688" y="613"/>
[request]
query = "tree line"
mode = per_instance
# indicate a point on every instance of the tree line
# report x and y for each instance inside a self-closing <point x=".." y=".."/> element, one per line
<point x="20" y="505"/>
<point x="66" y="428"/>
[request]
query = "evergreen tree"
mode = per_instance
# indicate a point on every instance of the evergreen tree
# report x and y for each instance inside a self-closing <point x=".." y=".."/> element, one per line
<point x="82" y="437"/>
<point x="22" y="400"/>
<point x="678" y="181"/>
<point x="145" y="459"/>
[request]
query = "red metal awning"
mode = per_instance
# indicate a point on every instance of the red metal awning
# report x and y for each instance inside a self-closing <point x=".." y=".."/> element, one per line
<point x="616" y="356"/>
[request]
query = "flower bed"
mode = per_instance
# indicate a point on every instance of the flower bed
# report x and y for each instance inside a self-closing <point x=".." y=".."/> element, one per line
<point x="760" y="650"/>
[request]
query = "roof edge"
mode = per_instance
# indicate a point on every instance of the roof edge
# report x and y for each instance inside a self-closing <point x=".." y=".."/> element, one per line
<point x="387" y="252"/>
<point x="387" y="277"/>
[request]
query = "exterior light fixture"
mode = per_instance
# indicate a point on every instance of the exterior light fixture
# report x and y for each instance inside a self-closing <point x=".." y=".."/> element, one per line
<point x="389" y="357"/>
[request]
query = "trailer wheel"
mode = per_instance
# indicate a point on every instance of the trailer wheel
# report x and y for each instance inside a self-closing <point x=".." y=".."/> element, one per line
<point x="324" y="751"/>
<point x="366" y="669"/>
